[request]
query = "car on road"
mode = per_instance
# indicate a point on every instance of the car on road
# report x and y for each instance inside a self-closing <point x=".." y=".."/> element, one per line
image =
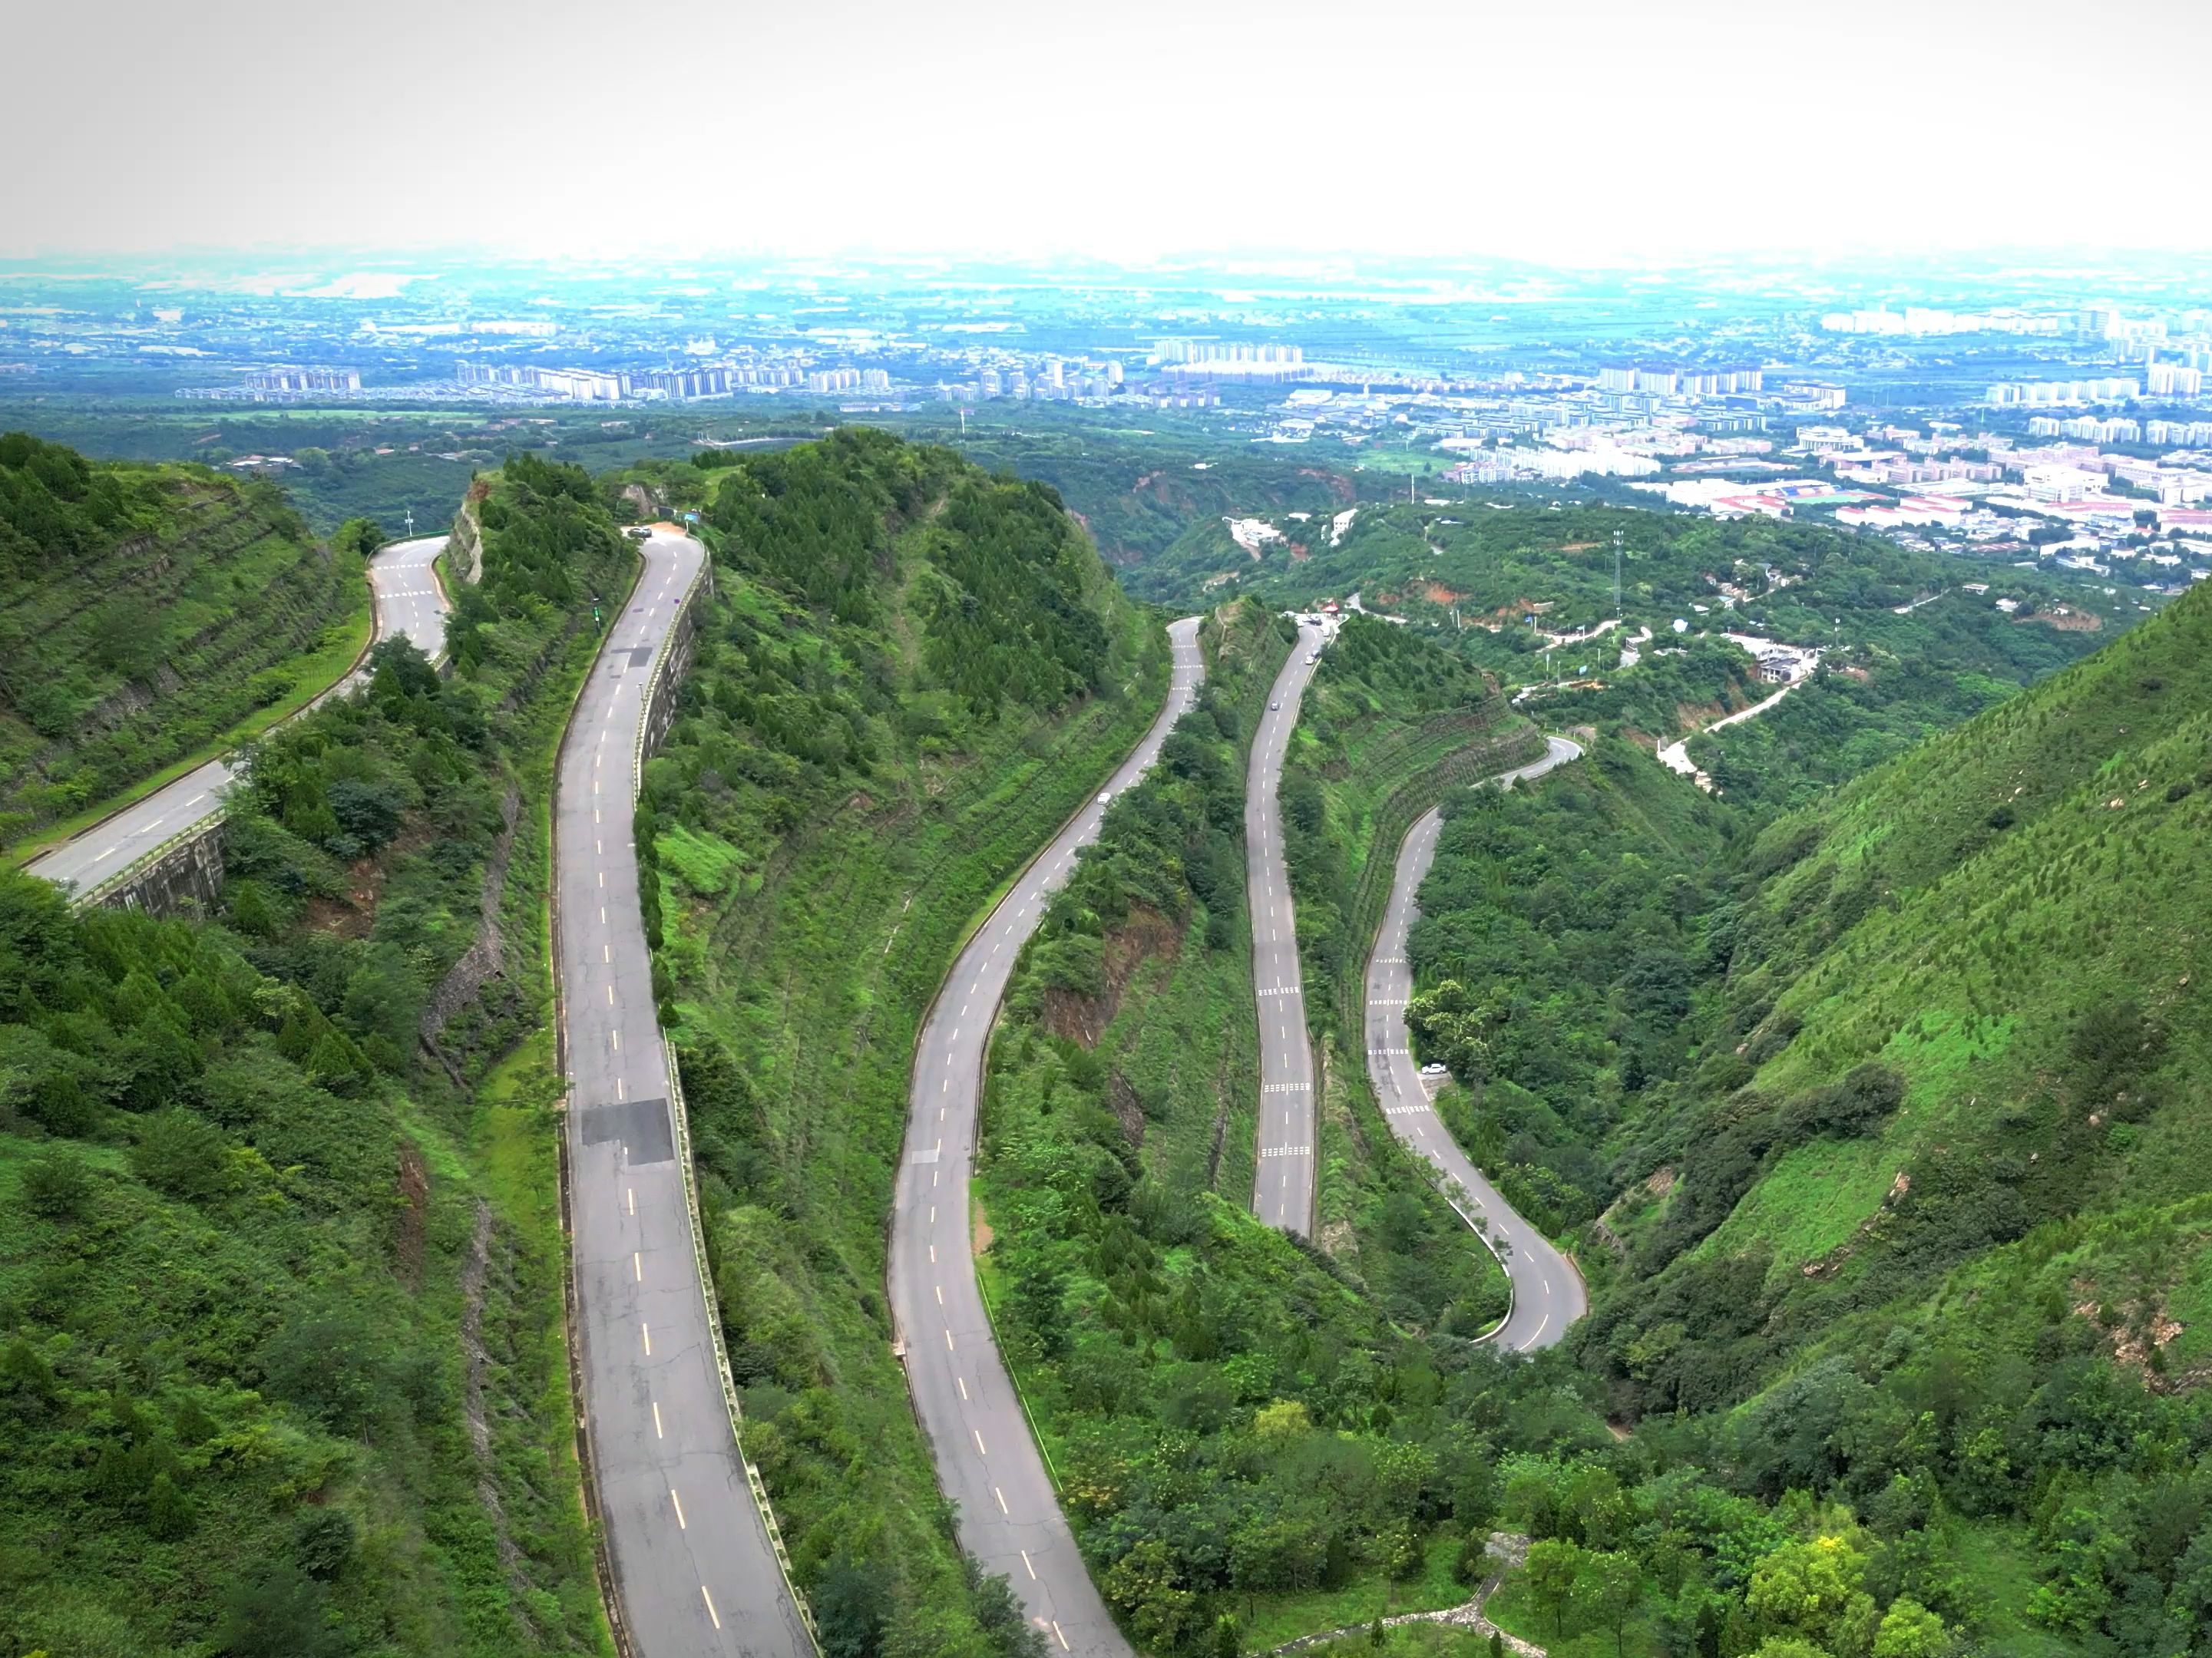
<point x="1272" y="707"/>
<point x="1105" y="797"/>
<point x="638" y="533"/>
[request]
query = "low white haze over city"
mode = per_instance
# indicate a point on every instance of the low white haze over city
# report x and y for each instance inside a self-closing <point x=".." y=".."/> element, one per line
<point x="1585" y="131"/>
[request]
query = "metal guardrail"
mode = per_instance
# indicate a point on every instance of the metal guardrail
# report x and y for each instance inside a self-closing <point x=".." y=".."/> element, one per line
<point x="681" y="1116"/>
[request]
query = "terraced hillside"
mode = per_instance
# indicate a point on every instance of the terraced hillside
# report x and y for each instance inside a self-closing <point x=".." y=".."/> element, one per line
<point x="145" y="612"/>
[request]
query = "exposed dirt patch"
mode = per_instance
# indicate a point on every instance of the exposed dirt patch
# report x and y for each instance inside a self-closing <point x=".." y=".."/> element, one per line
<point x="1299" y="553"/>
<point x="1339" y="485"/>
<point x="2065" y="621"/>
<point x="1661" y="1182"/>
<point x="980" y="1235"/>
<point x="1129" y="1110"/>
<point x="485" y="959"/>
<point x="1579" y="546"/>
<point x="1437" y="594"/>
<point x="352" y="916"/>
<point x="414" y="1214"/>
<point x="1147" y="934"/>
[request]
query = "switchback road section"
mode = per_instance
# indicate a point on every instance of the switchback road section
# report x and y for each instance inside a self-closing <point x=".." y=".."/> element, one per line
<point x="1283" y="1175"/>
<point x="688" y="1543"/>
<point x="988" y="1464"/>
<point x="1548" y="1291"/>
<point x="406" y="599"/>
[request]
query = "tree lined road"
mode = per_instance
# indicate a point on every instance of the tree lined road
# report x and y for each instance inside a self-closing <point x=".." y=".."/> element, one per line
<point x="1548" y="1291"/>
<point x="694" y="1569"/>
<point x="405" y="599"/>
<point x="1283" y="1175"/>
<point x="987" y="1462"/>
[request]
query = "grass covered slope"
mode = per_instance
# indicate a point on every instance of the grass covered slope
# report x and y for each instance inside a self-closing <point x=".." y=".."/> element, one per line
<point x="911" y="672"/>
<point x="280" y="1362"/>
<point x="146" y="612"/>
<point x="2005" y="923"/>
<point x="1926" y="1230"/>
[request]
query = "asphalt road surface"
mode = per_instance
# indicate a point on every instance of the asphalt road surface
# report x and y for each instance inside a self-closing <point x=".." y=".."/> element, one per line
<point x="1548" y="1291"/>
<point x="987" y="1462"/>
<point x="692" y="1565"/>
<point x="406" y="600"/>
<point x="1283" y="1175"/>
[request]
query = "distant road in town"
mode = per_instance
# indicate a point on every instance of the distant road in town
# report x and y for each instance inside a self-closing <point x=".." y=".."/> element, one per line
<point x="406" y="600"/>
<point x="987" y="1462"/>
<point x="1283" y="1174"/>
<point x="1548" y="1291"/>
<point x="694" y="1571"/>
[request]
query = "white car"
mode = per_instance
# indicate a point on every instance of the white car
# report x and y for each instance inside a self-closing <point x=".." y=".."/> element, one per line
<point x="1433" y="1069"/>
<point x="1104" y="798"/>
<point x="1272" y="707"/>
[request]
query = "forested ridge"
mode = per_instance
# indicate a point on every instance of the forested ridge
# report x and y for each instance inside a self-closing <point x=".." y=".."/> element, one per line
<point x="910" y="674"/>
<point x="1256" y="1437"/>
<point x="147" y="611"/>
<point x="279" y="1320"/>
<point x="1879" y="1131"/>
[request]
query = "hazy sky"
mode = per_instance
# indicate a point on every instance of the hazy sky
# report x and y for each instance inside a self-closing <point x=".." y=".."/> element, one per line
<point x="1547" y="130"/>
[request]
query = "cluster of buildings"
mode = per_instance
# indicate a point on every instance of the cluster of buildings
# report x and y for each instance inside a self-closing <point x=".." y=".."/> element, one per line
<point x="277" y="386"/>
<point x="2116" y="429"/>
<point x="2045" y="394"/>
<point x="1511" y="465"/>
<point x="1920" y="320"/>
<point x="1230" y="359"/>
<point x="656" y="384"/>
<point x="1683" y="382"/>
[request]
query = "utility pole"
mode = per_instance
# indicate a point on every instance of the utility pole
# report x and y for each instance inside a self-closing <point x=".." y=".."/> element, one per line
<point x="1616" y="575"/>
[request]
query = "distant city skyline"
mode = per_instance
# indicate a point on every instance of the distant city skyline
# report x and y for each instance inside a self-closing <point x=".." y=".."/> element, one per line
<point x="1608" y="132"/>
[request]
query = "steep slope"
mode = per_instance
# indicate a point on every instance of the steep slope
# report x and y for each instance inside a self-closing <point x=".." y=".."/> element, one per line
<point x="1911" y="1215"/>
<point x="912" y="673"/>
<point x="282" y="1364"/>
<point x="2004" y="924"/>
<point x="1243" y="1425"/>
<point x="146" y="612"/>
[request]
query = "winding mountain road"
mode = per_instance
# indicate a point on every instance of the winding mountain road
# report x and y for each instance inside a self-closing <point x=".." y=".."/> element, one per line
<point x="989" y="1463"/>
<point x="1548" y="1291"/>
<point x="1283" y="1173"/>
<point x="695" y="1572"/>
<point x="405" y="599"/>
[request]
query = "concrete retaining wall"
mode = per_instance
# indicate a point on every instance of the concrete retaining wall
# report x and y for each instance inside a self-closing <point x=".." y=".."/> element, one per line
<point x="660" y="701"/>
<point x="465" y="547"/>
<point x="185" y="879"/>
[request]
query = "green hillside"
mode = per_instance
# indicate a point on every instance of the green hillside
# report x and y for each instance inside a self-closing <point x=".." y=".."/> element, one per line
<point x="146" y="613"/>
<point x="281" y="1364"/>
<point x="911" y="674"/>
<point x="1895" y="1114"/>
<point x="1245" y="1426"/>
<point x="1515" y="587"/>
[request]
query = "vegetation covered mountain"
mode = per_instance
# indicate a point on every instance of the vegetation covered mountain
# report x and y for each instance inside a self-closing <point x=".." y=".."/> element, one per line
<point x="148" y="612"/>
<point x="1895" y="1113"/>
<point x="1245" y="1427"/>
<point x="281" y="1364"/>
<point x="1912" y="642"/>
<point x="911" y="674"/>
